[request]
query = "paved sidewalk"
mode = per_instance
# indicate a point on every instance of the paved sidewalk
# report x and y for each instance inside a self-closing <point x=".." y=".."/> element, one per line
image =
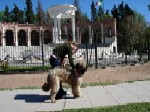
<point x="32" y="100"/>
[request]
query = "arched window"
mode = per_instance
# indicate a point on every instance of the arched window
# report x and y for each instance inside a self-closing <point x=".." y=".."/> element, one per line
<point x="35" y="39"/>
<point x="109" y="31"/>
<point x="22" y="38"/>
<point x="47" y="37"/>
<point x="9" y="38"/>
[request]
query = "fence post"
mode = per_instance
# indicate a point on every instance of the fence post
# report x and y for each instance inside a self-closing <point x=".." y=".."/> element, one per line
<point x="41" y="36"/>
<point x="95" y="42"/>
<point x="140" y="46"/>
<point x="126" y="59"/>
<point x="86" y="47"/>
<point x="148" y="47"/>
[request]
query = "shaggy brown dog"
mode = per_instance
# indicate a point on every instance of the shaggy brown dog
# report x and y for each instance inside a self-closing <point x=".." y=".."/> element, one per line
<point x="65" y="75"/>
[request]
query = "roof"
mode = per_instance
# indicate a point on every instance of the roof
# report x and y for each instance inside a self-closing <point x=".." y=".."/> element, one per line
<point x="62" y="11"/>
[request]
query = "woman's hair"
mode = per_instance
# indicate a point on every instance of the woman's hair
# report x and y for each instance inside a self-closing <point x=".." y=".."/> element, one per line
<point x="72" y="43"/>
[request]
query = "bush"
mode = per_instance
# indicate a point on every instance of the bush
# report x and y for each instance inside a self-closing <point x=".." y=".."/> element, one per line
<point x="4" y="65"/>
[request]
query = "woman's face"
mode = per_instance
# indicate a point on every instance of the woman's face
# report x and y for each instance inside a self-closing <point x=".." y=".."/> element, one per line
<point x="74" y="48"/>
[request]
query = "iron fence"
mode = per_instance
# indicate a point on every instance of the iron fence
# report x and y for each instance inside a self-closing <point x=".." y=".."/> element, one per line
<point x="102" y="51"/>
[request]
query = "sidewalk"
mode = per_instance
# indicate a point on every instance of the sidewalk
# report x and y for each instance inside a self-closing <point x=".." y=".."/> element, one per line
<point x="32" y="100"/>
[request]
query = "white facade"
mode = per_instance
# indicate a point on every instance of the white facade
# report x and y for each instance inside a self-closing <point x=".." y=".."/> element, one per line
<point x="59" y="12"/>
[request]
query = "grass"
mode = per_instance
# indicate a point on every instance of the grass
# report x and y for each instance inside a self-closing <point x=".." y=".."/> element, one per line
<point x="22" y="87"/>
<point x="83" y="85"/>
<point x="26" y="68"/>
<point x="136" y="107"/>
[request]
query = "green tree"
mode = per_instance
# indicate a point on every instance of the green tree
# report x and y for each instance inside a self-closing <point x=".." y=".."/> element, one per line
<point x="84" y="17"/>
<point x="121" y="12"/>
<point x="100" y="13"/>
<point x="40" y="13"/>
<point x="78" y="11"/>
<point x="22" y="18"/>
<point x="6" y="16"/>
<point x="79" y="15"/>
<point x="115" y="13"/>
<point x="93" y="12"/>
<point x="1" y="15"/>
<point x="15" y="14"/>
<point x="107" y="15"/>
<point x="124" y="19"/>
<point x="29" y="12"/>
<point x="48" y="19"/>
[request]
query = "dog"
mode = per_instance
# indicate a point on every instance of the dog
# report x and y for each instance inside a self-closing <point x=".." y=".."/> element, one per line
<point x="66" y="75"/>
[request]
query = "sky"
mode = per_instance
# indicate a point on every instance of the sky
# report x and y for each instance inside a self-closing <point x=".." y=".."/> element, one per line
<point x="141" y="6"/>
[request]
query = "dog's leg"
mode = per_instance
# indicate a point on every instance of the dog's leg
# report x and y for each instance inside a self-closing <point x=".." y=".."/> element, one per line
<point x="54" y="89"/>
<point x="76" y="87"/>
<point x="75" y="90"/>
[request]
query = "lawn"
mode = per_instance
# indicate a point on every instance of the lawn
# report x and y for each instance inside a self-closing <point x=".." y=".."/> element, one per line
<point x="137" y="107"/>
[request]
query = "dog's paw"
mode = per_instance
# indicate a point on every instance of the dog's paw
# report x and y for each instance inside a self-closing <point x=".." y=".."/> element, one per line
<point x="76" y="96"/>
<point x="53" y="101"/>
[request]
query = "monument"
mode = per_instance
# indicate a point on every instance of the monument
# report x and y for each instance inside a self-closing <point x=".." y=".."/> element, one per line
<point x="59" y="12"/>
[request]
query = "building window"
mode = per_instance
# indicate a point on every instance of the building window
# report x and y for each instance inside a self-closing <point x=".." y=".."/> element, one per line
<point x="9" y="35"/>
<point x="109" y="31"/>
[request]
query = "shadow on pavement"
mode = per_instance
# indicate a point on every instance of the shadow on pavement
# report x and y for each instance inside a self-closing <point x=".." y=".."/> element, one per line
<point x="32" y="98"/>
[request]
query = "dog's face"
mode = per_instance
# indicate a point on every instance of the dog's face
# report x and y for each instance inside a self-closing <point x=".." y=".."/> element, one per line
<point x="81" y="67"/>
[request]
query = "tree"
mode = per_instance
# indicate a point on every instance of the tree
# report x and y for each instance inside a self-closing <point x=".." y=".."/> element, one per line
<point x="93" y="11"/>
<point x="107" y="12"/>
<point x="15" y="14"/>
<point x="6" y="16"/>
<point x="124" y="19"/>
<point x="22" y="18"/>
<point x="29" y="12"/>
<point x="100" y="13"/>
<point x="78" y="11"/>
<point x="115" y="13"/>
<point x="40" y="13"/>
<point x="121" y="13"/>
<point x="1" y="15"/>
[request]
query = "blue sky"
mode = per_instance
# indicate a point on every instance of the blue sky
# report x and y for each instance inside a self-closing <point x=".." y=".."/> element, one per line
<point x="138" y="5"/>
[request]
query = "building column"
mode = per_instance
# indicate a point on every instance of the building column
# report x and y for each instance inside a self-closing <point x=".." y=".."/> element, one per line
<point x="55" y="30"/>
<point x="78" y="34"/>
<point x="66" y="33"/>
<point x="41" y="35"/>
<point x="3" y="36"/>
<point x="53" y="35"/>
<point x="73" y="28"/>
<point x="90" y="34"/>
<point x="16" y="36"/>
<point x="29" y="37"/>
<point x="59" y="29"/>
<point x="115" y="36"/>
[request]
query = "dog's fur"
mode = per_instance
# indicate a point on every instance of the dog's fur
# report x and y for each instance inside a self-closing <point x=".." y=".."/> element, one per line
<point x="65" y="75"/>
